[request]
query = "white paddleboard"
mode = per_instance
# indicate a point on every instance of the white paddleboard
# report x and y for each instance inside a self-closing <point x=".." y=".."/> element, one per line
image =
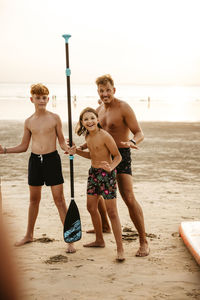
<point x="190" y="233"/>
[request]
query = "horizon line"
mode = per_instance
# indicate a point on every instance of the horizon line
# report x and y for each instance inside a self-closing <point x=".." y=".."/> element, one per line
<point x="121" y="83"/>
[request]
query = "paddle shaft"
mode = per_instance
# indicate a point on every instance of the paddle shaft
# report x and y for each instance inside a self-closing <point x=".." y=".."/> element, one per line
<point x="69" y="118"/>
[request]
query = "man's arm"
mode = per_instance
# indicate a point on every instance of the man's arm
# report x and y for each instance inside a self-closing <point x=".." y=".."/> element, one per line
<point x="23" y="146"/>
<point x="132" y="123"/>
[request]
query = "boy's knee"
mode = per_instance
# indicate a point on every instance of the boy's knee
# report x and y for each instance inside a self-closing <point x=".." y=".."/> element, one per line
<point x="58" y="201"/>
<point x="35" y="200"/>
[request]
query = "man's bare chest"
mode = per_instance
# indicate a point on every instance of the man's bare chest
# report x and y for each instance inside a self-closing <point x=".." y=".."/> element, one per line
<point x="111" y="121"/>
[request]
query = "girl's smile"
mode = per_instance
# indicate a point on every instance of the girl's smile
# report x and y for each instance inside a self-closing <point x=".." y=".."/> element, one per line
<point x="90" y="121"/>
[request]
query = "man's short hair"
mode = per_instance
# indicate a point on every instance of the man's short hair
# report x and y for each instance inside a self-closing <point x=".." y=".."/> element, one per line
<point x="39" y="89"/>
<point x="104" y="80"/>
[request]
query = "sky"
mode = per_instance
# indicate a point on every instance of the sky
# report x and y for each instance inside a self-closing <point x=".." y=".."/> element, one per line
<point x="141" y="42"/>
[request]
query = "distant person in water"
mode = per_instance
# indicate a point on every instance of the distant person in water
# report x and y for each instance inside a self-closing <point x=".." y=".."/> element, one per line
<point x="44" y="128"/>
<point x="100" y="102"/>
<point x="74" y="100"/>
<point x="104" y="157"/>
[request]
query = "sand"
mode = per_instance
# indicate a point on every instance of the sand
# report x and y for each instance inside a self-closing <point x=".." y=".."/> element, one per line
<point x="166" y="184"/>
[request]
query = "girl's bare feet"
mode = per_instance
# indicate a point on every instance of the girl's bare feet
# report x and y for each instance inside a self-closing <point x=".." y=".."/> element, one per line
<point x="95" y="244"/>
<point x="120" y="256"/>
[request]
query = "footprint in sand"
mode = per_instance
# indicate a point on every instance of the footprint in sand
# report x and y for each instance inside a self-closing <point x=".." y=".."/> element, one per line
<point x="110" y="278"/>
<point x="128" y="237"/>
<point x="151" y="235"/>
<point x="131" y="235"/>
<point x="194" y="294"/>
<point x="56" y="259"/>
<point x="44" y="240"/>
<point x="175" y="234"/>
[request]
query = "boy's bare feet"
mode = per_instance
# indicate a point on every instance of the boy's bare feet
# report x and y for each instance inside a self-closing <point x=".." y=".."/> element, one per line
<point x="70" y="248"/>
<point x="143" y="250"/>
<point x="24" y="241"/>
<point x="95" y="244"/>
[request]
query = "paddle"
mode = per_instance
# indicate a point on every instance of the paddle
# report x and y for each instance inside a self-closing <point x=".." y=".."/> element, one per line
<point x="72" y="225"/>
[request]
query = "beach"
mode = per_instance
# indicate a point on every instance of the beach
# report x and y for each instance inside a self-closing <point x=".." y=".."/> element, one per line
<point x="166" y="184"/>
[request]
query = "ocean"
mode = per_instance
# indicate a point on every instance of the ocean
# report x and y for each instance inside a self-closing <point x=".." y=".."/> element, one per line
<point x="150" y="103"/>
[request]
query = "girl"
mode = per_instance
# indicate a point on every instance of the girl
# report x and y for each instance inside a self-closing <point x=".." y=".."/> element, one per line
<point x="104" y="156"/>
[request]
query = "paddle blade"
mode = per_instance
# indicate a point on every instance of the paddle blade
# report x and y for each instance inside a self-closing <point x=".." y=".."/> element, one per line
<point x="72" y="226"/>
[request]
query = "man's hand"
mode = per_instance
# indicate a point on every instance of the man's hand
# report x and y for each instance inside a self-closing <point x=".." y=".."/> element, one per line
<point x="129" y="144"/>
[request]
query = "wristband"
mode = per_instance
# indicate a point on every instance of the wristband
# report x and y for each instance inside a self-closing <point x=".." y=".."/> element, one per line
<point x="133" y="141"/>
<point x="5" y="150"/>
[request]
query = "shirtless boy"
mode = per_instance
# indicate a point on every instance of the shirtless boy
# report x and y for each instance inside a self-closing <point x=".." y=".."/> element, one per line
<point x="104" y="157"/>
<point x="118" y="119"/>
<point x="44" y="128"/>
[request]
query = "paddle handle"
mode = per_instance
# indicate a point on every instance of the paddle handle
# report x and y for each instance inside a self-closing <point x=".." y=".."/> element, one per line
<point x="68" y="73"/>
<point x="66" y="37"/>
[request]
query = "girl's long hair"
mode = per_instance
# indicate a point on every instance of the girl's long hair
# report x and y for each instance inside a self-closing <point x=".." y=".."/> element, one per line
<point x="80" y="129"/>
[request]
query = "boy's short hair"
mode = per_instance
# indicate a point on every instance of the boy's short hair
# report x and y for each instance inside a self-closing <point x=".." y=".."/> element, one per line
<point x="39" y="89"/>
<point x="104" y="80"/>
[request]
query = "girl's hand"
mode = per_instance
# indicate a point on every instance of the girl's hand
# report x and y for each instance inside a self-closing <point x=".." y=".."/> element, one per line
<point x="105" y="165"/>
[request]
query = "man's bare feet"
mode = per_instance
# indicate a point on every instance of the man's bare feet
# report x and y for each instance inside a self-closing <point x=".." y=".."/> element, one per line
<point x="143" y="250"/>
<point x="24" y="241"/>
<point x="70" y="248"/>
<point x="95" y="244"/>
<point x="120" y="256"/>
<point x="105" y="230"/>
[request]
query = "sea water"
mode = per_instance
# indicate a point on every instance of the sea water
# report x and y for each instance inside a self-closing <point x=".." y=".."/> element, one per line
<point x="150" y="103"/>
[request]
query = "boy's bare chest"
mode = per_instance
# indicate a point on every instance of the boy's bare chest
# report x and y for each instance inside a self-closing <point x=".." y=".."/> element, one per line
<point x="42" y="127"/>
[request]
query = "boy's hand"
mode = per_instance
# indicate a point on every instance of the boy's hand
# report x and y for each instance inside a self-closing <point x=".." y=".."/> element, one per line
<point x="105" y="165"/>
<point x="67" y="142"/>
<point x="71" y="150"/>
